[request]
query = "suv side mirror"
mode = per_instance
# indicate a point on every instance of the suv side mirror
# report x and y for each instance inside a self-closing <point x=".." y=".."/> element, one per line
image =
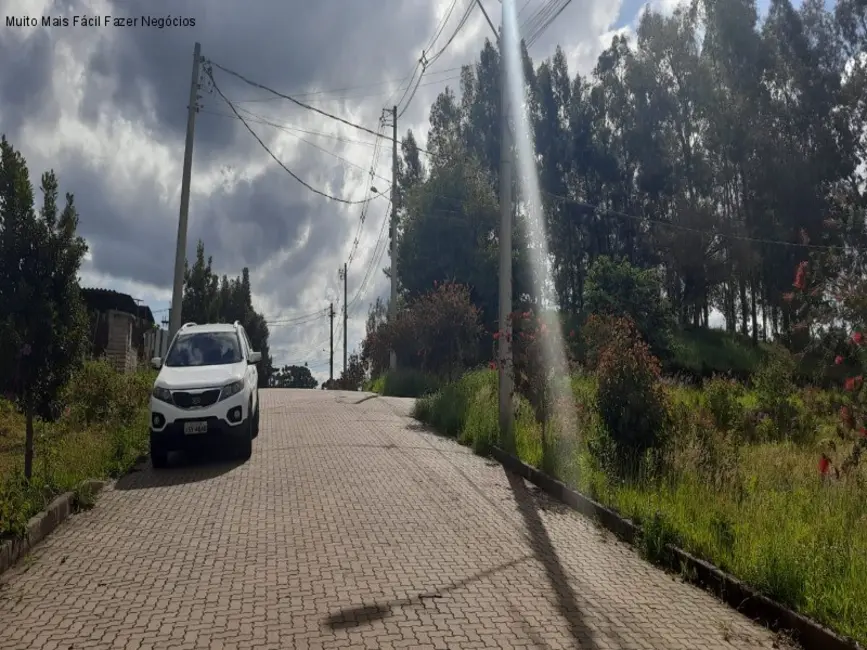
<point x="255" y="357"/>
<point x="157" y="363"/>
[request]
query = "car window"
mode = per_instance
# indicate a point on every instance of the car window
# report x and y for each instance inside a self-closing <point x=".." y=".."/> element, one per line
<point x="205" y="349"/>
<point x="247" y="340"/>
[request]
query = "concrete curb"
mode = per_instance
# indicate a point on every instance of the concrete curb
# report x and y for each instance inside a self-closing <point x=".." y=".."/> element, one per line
<point x="43" y="524"/>
<point x="736" y="594"/>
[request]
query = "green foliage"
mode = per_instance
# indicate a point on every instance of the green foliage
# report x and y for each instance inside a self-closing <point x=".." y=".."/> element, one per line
<point x="616" y="288"/>
<point x="293" y="377"/>
<point x="724" y="402"/>
<point x="406" y="382"/>
<point x="353" y="378"/>
<point x="42" y="316"/>
<point x="630" y="397"/>
<point x="467" y="409"/>
<point x="436" y="333"/>
<point x="775" y="388"/>
<point x="209" y="298"/>
<point x="100" y="434"/>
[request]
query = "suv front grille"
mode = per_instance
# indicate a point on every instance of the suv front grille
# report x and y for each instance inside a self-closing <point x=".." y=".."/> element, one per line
<point x="187" y="400"/>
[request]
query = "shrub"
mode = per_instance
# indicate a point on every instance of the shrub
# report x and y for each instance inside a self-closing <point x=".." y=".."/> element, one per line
<point x="630" y="399"/>
<point x="407" y="382"/>
<point x="98" y="393"/>
<point x="616" y="288"/>
<point x="723" y="400"/>
<point x="775" y="388"/>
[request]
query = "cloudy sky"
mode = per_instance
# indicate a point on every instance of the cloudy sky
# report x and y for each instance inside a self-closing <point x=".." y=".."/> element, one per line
<point x="105" y="107"/>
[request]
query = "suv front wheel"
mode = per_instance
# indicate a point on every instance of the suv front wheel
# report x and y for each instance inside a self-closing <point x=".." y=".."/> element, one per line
<point x="159" y="455"/>
<point x="245" y="439"/>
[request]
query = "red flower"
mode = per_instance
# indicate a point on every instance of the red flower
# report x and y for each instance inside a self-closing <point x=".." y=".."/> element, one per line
<point x="853" y="383"/>
<point x="857" y="338"/>
<point x="824" y="465"/>
<point x="496" y="336"/>
<point x="838" y="360"/>
<point x="863" y="432"/>
<point x="492" y="365"/>
<point x="526" y="315"/>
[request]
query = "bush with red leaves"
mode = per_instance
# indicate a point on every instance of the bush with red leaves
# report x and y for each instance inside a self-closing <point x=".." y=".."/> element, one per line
<point x="630" y="398"/>
<point x="822" y="304"/>
<point x="437" y="333"/>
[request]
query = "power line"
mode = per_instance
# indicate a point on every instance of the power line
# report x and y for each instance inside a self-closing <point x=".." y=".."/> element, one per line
<point x="313" y="95"/>
<point x="553" y="14"/>
<point x="373" y="165"/>
<point x="374" y="260"/>
<point x="275" y="158"/>
<point x="346" y="161"/>
<point x="426" y="62"/>
<point x="289" y="129"/>
<point x="295" y="101"/>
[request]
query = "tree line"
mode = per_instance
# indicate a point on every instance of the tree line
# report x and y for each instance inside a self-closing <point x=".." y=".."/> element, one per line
<point x="718" y="152"/>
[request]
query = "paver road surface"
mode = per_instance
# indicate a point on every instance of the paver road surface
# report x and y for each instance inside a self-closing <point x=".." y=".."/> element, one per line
<point x="350" y="527"/>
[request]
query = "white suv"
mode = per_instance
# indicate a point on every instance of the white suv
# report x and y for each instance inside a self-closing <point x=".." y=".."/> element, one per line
<point x="207" y="388"/>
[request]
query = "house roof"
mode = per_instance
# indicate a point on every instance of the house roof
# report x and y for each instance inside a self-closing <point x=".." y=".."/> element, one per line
<point x="105" y="299"/>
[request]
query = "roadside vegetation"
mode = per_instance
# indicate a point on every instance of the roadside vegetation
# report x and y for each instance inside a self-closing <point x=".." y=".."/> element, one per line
<point x="705" y="206"/>
<point x="63" y="418"/>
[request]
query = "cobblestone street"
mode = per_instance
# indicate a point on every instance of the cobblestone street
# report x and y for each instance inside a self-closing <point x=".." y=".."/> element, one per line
<point x="350" y="527"/>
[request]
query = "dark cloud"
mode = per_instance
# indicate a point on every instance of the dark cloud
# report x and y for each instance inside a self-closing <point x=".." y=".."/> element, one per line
<point x="25" y="78"/>
<point x="142" y="75"/>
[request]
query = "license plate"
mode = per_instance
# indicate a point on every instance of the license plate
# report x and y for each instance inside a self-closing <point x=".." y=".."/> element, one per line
<point x="191" y="428"/>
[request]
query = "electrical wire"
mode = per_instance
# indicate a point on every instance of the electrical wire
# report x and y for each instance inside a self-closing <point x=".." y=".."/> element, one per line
<point x="374" y="260"/>
<point x="373" y="165"/>
<point x="427" y="62"/>
<point x="289" y="129"/>
<point x="316" y="94"/>
<point x="553" y="13"/>
<point x="276" y="159"/>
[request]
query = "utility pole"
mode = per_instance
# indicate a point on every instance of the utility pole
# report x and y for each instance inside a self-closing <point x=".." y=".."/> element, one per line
<point x="331" y="356"/>
<point x="345" y="316"/>
<point x="392" y="303"/>
<point x="181" y="252"/>
<point x="341" y="273"/>
<point x="505" y="298"/>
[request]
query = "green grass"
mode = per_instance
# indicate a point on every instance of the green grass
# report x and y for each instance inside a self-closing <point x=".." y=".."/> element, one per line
<point x="755" y="509"/>
<point x="103" y="433"/>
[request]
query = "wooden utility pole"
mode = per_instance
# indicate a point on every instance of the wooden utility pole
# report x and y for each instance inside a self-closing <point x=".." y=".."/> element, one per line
<point x="331" y="356"/>
<point x="342" y="274"/>
<point x="181" y="250"/>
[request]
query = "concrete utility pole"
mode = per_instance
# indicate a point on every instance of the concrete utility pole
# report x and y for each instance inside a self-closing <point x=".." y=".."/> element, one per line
<point x="392" y="303"/>
<point x="331" y="355"/>
<point x="504" y="352"/>
<point x="181" y="251"/>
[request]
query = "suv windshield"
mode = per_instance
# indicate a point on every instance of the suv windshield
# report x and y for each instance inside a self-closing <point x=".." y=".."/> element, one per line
<point x="205" y="349"/>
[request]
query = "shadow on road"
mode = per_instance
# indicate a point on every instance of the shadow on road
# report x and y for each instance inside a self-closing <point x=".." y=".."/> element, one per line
<point x="543" y="549"/>
<point x="183" y="468"/>
<point x="359" y="615"/>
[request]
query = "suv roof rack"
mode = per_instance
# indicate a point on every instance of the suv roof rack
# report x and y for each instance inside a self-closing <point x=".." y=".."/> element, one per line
<point x="237" y="323"/>
<point x="186" y="325"/>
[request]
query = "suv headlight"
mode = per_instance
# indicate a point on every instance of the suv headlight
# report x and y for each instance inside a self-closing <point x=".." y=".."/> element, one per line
<point x="231" y="389"/>
<point x="162" y="394"/>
